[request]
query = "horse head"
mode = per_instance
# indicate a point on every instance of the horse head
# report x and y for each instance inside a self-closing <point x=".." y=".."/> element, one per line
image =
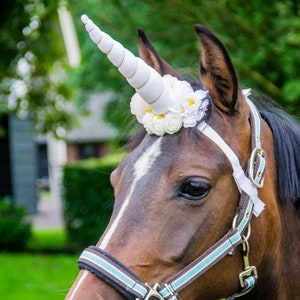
<point x="184" y="198"/>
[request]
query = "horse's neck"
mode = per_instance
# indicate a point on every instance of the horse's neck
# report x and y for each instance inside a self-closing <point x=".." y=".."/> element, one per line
<point x="279" y="276"/>
<point x="291" y="249"/>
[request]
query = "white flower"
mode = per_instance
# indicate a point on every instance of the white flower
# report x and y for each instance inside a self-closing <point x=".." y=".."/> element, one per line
<point x="161" y="124"/>
<point x="138" y="107"/>
<point x="178" y="88"/>
<point x="173" y="123"/>
<point x="194" y="108"/>
<point x="154" y="124"/>
<point x="187" y="108"/>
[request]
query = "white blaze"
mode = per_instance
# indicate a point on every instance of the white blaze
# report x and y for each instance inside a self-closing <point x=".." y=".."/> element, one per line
<point x="81" y="279"/>
<point x="141" y="167"/>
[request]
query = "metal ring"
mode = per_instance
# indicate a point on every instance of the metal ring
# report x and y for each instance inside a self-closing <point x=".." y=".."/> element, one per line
<point x="234" y="222"/>
<point x="247" y="236"/>
<point x="248" y="232"/>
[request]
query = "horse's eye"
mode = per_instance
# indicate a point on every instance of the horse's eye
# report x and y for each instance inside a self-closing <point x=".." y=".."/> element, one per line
<point x="194" y="189"/>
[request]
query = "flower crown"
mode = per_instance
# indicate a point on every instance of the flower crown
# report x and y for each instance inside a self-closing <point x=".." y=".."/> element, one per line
<point x="163" y="104"/>
<point x="187" y="108"/>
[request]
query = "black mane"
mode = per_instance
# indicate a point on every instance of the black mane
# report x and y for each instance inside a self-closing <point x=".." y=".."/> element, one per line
<point x="286" y="134"/>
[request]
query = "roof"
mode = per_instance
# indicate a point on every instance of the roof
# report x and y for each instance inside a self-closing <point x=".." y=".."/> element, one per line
<point x="92" y="128"/>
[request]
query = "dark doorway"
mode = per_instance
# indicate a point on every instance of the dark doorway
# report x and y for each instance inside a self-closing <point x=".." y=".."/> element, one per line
<point x="5" y="171"/>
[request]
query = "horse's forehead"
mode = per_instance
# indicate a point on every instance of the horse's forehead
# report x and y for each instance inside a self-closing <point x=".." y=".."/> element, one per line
<point x="165" y="148"/>
<point x="147" y="158"/>
<point x="173" y="151"/>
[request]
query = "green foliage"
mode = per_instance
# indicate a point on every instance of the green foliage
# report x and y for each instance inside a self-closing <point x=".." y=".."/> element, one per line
<point x="88" y="199"/>
<point x="34" y="64"/>
<point x="15" y="230"/>
<point x="11" y="31"/>
<point x="47" y="241"/>
<point x="262" y="39"/>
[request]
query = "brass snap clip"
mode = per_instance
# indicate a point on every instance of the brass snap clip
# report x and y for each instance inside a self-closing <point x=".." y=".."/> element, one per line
<point x="249" y="276"/>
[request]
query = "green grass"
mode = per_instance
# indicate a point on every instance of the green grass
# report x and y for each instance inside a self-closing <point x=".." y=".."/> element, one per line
<point x="36" y="276"/>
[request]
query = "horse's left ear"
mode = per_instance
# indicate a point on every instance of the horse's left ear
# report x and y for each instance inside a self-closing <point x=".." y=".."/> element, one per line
<point x="217" y="72"/>
<point x="151" y="57"/>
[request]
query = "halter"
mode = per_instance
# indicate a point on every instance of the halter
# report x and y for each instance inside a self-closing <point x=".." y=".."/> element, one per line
<point x="110" y="270"/>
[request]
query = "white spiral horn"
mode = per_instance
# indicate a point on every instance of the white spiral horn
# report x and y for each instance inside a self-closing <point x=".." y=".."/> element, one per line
<point x="147" y="82"/>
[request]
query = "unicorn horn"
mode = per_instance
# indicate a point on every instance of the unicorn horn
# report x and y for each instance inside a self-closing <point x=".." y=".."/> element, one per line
<point x="147" y="82"/>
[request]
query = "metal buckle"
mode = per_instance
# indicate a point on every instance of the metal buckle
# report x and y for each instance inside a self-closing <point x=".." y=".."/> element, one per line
<point x="258" y="155"/>
<point x="153" y="293"/>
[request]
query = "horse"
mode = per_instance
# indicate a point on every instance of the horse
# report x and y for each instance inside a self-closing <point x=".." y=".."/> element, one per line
<point x="207" y="200"/>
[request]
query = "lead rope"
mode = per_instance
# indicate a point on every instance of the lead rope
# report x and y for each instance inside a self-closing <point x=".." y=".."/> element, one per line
<point x="109" y="269"/>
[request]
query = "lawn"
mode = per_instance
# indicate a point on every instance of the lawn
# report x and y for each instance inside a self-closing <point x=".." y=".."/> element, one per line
<point x="36" y="276"/>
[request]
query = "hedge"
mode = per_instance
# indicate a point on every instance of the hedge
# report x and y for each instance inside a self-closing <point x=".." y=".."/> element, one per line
<point x="15" y="227"/>
<point x="88" y="199"/>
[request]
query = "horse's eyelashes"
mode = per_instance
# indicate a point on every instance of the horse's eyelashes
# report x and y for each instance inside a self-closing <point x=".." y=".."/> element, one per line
<point x="194" y="189"/>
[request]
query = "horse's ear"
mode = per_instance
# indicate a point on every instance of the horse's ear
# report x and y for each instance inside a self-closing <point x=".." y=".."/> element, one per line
<point x="151" y="57"/>
<point x="217" y="72"/>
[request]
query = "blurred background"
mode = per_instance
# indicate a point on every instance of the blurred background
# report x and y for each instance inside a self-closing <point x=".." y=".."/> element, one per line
<point x="64" y="113"/>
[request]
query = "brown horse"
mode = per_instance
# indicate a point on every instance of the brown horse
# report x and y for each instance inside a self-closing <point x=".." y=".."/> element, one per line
<point x="176" y="199"/>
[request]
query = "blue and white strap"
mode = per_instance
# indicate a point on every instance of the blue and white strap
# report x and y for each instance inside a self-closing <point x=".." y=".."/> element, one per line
<point x="113" y="272"/>
<point x="107" y="268"/>
<point x="243" y="182"/>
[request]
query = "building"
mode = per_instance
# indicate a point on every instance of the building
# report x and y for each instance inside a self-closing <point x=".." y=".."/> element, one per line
<point x="18" y="166"/>
<point x="29" y="162"/>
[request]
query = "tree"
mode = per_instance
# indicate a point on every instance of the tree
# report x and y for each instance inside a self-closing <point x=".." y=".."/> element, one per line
<point x="262" y="39"/>
<point x="33" y="63"/>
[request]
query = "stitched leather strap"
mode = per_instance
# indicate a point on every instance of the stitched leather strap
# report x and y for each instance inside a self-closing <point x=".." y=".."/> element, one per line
<point x="113" y="272"/>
